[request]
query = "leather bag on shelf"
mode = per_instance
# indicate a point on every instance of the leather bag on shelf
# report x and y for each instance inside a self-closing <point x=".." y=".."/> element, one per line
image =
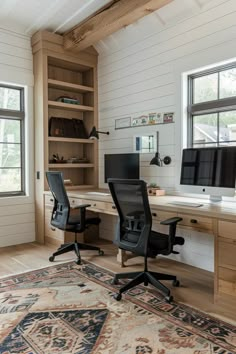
<point x="67" y="128"/>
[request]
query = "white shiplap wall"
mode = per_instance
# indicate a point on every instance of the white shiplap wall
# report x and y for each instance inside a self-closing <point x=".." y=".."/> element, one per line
<point x="141" y="69"/>
<point x="17" y="213"/>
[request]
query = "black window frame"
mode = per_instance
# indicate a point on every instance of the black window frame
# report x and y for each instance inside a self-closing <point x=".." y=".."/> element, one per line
<point x="20" y="116"/>
<point x="216" y="106"/>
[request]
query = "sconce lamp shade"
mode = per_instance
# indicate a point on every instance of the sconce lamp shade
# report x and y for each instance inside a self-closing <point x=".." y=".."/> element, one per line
<point x="94" y="134"/>
<point x="156" y="160"/>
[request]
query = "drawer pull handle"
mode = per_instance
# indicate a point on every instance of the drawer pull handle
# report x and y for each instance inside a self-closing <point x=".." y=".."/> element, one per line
<point x="52" y="228"/>
<point x="193" y="221"/>
<point x="51" y="200"/>
<point x="113" y="207"/>
<point x="154" y="214"/>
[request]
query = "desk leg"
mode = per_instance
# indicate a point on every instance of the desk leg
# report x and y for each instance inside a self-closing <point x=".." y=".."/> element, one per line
<point x="123" y="256"/>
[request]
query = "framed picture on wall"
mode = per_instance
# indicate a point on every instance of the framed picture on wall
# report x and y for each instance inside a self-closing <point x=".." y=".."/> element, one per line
<point x="122" y="123"/>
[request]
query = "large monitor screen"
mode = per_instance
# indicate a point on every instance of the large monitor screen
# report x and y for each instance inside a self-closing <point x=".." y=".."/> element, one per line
<point x="125" y="166"/>
<point x="213" y="167"/>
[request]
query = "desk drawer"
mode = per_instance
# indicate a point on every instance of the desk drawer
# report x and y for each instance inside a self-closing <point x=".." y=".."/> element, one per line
<point x="227" y="281"/>
<point x="227" y="229"/>
<point x="95" y="205"/>
<point x="227" y="254"/>
<point x="158" y="215"/>
<point x="52" y="232"/>
<point x="196" y="222"/>
<point x="49" y="201"/>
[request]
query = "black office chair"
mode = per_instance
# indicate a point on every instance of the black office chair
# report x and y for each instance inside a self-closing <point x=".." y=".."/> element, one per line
<point x="62" y="219"/>
<point x="134" y="233"/>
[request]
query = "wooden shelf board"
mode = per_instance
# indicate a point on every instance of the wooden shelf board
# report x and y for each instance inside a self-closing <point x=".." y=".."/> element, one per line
<point x="69" y="86"/>
<point x="70" y="107"/>
<point x="83" y="186"/>
<point x="70" y="165"/>
<point x="70" y="140"/>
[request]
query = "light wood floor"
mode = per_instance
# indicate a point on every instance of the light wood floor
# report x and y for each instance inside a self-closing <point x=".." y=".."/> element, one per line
<point x="196" y="284"/>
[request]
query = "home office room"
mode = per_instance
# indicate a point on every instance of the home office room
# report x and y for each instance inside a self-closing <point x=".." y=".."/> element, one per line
<point x="117" y="176"/>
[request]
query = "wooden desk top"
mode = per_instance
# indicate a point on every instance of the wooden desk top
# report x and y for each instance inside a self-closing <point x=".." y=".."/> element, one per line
<point x="223" y="210"/>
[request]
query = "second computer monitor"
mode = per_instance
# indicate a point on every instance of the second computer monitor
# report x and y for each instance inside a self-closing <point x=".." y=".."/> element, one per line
<point x="125" y="166"/>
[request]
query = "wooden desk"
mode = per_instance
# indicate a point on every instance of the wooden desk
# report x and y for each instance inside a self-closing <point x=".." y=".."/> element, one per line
<point x="218" y="220"/>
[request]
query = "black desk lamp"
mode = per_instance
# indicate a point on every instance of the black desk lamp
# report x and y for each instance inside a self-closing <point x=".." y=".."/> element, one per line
<point x="94" y="134"/>
<point x="156" y="160"/>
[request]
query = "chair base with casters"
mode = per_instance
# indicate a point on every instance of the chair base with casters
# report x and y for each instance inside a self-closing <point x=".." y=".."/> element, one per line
<point x="146" y="277"/>
<point x="76" y="247"/>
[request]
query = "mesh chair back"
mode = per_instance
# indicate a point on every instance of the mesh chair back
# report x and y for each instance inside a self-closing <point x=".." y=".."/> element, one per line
<point x="131" y="200"/>
<point x="61" y="207"/>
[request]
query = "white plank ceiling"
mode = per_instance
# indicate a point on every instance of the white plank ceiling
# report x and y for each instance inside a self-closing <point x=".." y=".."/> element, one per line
<point x="28" y="16"/>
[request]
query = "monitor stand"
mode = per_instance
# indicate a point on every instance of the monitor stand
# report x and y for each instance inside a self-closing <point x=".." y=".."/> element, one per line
<point x="215" y="199"/>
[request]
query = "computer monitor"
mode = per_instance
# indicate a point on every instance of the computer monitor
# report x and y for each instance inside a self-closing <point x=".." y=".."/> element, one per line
<point x="125" y="166"/>
<point x="209" y="171"/>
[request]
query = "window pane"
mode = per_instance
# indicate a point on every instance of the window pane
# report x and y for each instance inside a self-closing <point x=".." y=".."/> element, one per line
<point x="10" y="131"/>
<point x="10" y="155"/>
<point x="205" y="129"/>
<point x="9" y="98"/>
<point x="227" y="124"/>
<point x="228" y="83"/>
<point x="205" y="88"/>
<point x="10" y="180"/>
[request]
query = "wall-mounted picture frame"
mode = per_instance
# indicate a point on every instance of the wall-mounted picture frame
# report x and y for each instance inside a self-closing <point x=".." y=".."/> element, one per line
<point x="140" y="120"/>
<point x="168" y="117"/>
<point x="155" y="118"/>
<point x="122" y="123"/>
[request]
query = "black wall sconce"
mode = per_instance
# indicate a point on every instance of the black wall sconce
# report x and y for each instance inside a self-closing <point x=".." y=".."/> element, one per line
<point x="94" y="134"/>
<point x="156" y="160"/>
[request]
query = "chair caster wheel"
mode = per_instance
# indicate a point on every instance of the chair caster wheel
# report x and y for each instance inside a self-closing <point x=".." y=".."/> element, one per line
<point x="118" y="297"/>
<point x="101" y="253"/>
<point x="78" y="261"/>
<point x="169" y="299"/>
<point x="51" y="258"/>
<point x="114" y="281"/>
<point x="176" y="283"/>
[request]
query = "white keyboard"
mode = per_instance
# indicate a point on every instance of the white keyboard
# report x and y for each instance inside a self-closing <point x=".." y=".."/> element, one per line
<point x="189" y="204"/>
<point x="97" y="193"/>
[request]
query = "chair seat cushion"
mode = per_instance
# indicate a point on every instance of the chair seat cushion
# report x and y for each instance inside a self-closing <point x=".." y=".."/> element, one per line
<point x="74" y="222"/>
<point x="158" y="242"/>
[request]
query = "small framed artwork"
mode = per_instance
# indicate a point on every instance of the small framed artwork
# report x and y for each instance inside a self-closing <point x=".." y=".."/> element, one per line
<point x="155" y="118"/>
<point x="140" y="120"/>
<point x="168" y="117"/>
<point x="122" y="123"/>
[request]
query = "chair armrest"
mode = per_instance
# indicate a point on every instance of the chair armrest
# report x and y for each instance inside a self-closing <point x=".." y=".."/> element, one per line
<point x="82" y="206"/>
<point x="171" y="221"/>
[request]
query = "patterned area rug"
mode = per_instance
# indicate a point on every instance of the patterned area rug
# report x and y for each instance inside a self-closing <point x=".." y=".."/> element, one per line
<point x="70" y="309"/>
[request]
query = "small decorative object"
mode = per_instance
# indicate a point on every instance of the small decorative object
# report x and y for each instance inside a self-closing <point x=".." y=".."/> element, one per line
<point x="141" y="120"/>
<point x="74" y="159"/>
<point x="152" y="188"/>
<point x="57" y="159"/>
<point x="68" y="99"/>
<point x="168" y="117"/>
<point x="68" y="182"/>
<point x="155" y="118"/>
<point x="122" y="123"/>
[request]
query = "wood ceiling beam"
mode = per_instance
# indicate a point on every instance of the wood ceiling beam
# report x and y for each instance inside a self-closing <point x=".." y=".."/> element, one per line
<point x="116" y="15"/>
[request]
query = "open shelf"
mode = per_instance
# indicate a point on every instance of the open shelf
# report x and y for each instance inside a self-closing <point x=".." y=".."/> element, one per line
<point x="69" y="106"/>
<point x="69" y="86"/>
<point x="80" y="186"/>
<point x="70" y="165"/>
<point x="70" y="140"/>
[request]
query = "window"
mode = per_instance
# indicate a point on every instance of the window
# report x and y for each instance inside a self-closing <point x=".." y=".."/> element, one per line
<point x="212" y="107"/>
<point x="12" y="141"/>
